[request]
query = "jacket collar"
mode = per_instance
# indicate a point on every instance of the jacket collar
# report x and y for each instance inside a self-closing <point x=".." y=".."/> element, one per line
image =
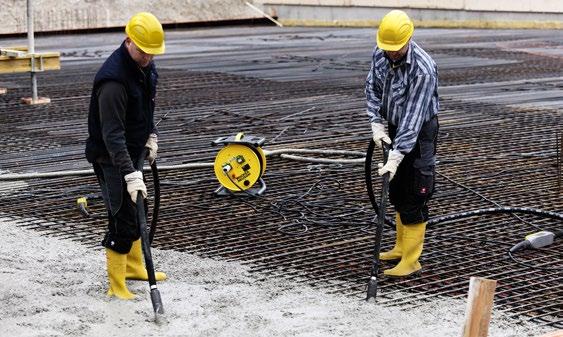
<point x="133" y="66"/>
<point x="410" y="52"/>
<point x="407" y="58"/>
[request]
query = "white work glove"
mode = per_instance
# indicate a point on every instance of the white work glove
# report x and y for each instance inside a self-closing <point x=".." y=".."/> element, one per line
<point x="152" y="146"/>
<point x="135" y="184"/>
<point x="379" y="134"/>
<point x="391" y="165"/>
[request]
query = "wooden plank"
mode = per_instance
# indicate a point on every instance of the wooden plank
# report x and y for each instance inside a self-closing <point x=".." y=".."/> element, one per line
<point x="19" y="48"/>
<point x="479" y="307"/>
<point x="40" y="100"/>
<point x="8" y="65"/>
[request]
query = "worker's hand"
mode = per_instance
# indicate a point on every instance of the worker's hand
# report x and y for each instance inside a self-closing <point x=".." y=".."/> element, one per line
<point x="135" y="184"/>
<point x="152" y="146"/>
<point x="391" y="165"/>
<point x="379" y="134"/>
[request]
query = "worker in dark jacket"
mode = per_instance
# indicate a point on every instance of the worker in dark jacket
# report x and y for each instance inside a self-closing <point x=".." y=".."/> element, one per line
<point x="402" y="88"/>
<point x="120" y="125"/>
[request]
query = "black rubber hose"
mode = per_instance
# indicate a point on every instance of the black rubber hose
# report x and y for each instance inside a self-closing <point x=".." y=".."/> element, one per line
<point x="156" y="206"/>
<point x="369" y="186"/>
<point x="146" y="246"/>
<point x="372" y="283"/>
<point x="495" y="210"/>
<point x="449" y="217"/>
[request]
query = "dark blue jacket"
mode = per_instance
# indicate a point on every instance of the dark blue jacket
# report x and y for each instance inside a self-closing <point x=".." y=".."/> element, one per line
<point x="118" y="133"/>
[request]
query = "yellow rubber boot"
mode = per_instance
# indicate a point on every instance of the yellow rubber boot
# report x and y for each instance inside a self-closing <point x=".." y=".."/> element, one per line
<point x="397" y="251"/>
<point x="136" y="268"/>
<point x="116" y="265"/>
<point x="413" y="239"/>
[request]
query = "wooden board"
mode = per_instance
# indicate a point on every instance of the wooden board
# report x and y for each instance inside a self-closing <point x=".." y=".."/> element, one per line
<point x="479" y="307"/>
<point x="8" y="65"/>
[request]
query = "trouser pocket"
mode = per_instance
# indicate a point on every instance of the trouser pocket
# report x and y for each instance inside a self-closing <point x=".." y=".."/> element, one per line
<point x="423" y="182"/>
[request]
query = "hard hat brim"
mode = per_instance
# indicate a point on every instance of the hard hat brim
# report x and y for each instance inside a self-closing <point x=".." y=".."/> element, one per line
<point x="152" y="51"/>
<point x="390" y="47"/>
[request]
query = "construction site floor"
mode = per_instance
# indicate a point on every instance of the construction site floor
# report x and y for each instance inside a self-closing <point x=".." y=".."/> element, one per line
<point x="308" y="241"/>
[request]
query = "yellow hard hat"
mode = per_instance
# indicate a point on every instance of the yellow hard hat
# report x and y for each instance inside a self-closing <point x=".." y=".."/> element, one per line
<point x="395" y="30"/>
<point x="146" y="31"/>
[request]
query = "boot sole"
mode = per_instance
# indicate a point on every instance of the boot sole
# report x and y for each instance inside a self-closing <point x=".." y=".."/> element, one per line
<point x="413" y="274"/>
<point x="390" y="259"/>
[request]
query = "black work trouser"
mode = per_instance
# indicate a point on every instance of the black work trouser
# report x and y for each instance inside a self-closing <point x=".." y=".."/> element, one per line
<point x="123" y="228"/>
<point x="413" y="183"/>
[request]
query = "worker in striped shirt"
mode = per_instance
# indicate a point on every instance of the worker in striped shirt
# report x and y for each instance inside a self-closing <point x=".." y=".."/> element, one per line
<point x="402" y="89"/>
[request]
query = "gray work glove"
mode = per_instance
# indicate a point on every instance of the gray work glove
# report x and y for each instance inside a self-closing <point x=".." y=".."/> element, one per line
<point x="152" y="146"/>
<point x="379" y="134"/>
<point x="135" y="184"/>
<point x="391" y="165"/>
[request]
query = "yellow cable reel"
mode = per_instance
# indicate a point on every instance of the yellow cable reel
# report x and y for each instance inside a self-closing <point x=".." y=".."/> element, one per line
<point x="240" y="164"/>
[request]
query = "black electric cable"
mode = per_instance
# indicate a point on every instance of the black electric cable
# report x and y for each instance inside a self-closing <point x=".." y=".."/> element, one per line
<point x="495" y="242"/>
<point x="494" y="210"/>
<point x="527" y="265"/>
<point x="485" y="198"/>
<point x="305" y="210"/>
<point x="282" y="228"/>
<point x="455" y="216"/>
<point x="301" y="212"/>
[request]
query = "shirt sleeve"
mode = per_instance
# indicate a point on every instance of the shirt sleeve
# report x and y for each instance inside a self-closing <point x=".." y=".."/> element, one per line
<point x="373" y="94"/>
<point x="112" y="100"/>
<point x="416" y="107"/>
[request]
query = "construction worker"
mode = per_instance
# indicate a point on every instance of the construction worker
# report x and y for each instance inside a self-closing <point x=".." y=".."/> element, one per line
<point x="120" y="125"/>
<point x="402" y="88"/>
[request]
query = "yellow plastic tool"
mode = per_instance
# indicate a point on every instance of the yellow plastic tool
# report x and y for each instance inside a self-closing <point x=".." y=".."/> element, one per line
<point x="82" y="204"/>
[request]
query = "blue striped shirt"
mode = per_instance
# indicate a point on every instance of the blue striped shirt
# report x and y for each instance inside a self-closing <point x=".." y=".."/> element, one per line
<point x="406" y="96"/>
